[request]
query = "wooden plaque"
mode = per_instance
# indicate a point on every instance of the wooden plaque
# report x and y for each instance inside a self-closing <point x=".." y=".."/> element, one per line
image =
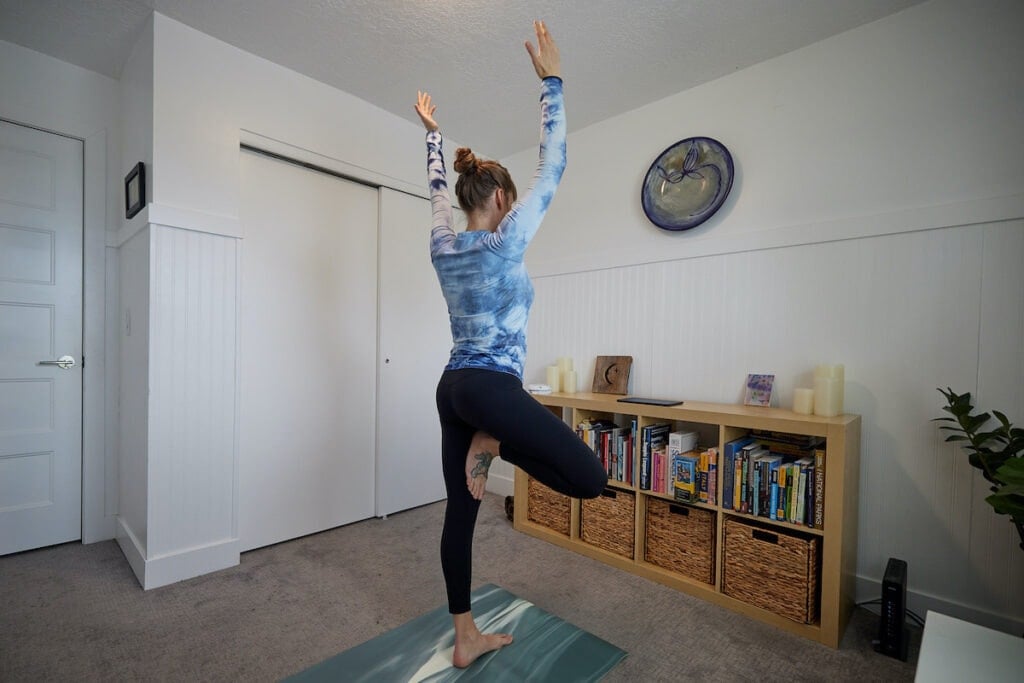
<point x="611" y="374"/>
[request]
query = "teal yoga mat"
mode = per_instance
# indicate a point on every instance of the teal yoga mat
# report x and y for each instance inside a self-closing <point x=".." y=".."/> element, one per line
<point x="545" y="648"/>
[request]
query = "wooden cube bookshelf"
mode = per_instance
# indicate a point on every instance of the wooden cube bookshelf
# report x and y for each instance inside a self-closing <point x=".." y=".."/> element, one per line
<point x="718" y="424"/>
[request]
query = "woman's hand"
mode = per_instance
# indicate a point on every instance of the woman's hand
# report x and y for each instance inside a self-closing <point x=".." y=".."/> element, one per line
<point x="545" y="57"/>
<point x="426" y="111"/>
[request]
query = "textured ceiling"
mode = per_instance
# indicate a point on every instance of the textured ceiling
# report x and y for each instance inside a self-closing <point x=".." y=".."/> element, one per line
<point x="617" y="55"/>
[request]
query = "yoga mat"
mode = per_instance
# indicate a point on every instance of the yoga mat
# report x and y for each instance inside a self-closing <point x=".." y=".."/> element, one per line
<point x="544" y="648"/>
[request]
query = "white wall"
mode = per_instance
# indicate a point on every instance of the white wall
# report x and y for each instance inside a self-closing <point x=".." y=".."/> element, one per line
<point x="875" y="221"/>
<point x="207" y="98"/>
<point x="208" y="92"/>
<point x="41" y="91"/>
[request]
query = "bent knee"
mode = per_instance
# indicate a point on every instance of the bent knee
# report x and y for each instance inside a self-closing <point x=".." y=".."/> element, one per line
<point x="594" y="485"/>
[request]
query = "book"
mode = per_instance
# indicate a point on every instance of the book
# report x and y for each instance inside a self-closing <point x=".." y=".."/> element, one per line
<point x="658" y="454"/>
<point x="780" y="493"/>
<point x="703" y="477"/>
<point x="767" y="462"/>
<point x="747" y="454"/>
<point x="712" y="475"/>
<point x="681" y="442"/>
<point x="806" y="465"/>
<point x="819" y="488"/>
<point x="651" y="436"/>
<point x="729" y="469"/>
<point x="684" y="475"/>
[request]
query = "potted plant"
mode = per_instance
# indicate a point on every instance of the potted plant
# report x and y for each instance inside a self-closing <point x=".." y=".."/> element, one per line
<point x="996" y="452"/>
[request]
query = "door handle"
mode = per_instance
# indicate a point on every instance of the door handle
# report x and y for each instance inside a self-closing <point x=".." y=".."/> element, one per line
<point x="64" y="362"/>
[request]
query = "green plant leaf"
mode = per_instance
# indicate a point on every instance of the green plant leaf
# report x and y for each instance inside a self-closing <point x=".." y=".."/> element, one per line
<point x="1007" y="505"/>
<point x="975" y="422"/>
<point x="1011" y="472"/>
<point x="1002" y="419"/>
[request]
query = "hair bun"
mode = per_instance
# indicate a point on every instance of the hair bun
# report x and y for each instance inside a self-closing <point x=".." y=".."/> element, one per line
<point x="465" y="160"/>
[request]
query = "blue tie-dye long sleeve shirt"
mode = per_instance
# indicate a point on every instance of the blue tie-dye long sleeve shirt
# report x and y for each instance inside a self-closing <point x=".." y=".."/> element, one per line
<point x="482" y="274"/>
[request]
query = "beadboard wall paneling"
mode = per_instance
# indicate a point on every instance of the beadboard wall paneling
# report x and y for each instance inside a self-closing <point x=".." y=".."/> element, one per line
<point x="1000" y="387"/>
<point x="133" y="283"/>
<point x="905" y="313"/>
<point x="192" y="394"/>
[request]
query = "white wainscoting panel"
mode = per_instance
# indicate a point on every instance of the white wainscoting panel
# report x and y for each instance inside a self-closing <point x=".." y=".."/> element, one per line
<point x="905" y="313"/>
<point x="133" y="440"/>
<point x="192" y="454"/>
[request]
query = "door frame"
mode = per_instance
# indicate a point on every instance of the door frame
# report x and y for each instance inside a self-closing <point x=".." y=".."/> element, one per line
<point x="99" y="457"/>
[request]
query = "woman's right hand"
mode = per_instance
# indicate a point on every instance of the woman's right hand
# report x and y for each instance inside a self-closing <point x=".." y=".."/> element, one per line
<point x="545" y="57"/>
<point x="426" y="111"/>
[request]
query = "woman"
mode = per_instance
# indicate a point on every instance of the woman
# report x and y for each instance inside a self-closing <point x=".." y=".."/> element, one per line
<point x="483" y="408"/>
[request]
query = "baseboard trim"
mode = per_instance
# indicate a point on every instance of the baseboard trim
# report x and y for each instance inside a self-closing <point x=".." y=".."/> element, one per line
<point x="177" y="566"/>
<point x="503" y="485"/>
<point x="920" y="603"/>
<point x="133" y="550"/>
<point x="191" y="562"/>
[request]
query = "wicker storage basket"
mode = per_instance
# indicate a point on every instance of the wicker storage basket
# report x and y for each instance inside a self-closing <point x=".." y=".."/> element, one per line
<point x="608" y="521"/>
<point x="772" y="569"/>
<point x="547" y="508"/>
<point x="680" y="538"/>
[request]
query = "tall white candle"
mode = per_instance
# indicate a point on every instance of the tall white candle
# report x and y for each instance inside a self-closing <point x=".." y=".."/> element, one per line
<point x="564" y="364"/>
<point x="569" y="381"/>
<point x="838" y="373"/>
<point x="803" y="401"/>
<point x="826" y="396"/>
<point x="554" y="377"/>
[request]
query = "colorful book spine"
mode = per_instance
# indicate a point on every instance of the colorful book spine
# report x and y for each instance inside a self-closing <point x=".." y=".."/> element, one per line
<point x="729" y="457"/>
<point x="712" y="475"/>
<point x="684" y="473"/>
<point x="819" y="489"/>
<point x="702" y="477"/>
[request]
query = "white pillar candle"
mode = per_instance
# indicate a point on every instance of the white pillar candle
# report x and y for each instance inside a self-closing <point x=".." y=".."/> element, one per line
<point x="564" y="364"/>
<point x="569" y="381"/>
<point x="553" y="378"/>
<point x="803" y="401"/>
<point x="838" y="373"/>
<point x="826" y="396"/>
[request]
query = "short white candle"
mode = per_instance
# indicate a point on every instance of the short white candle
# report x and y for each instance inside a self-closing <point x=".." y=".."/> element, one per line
<point x="803" y="401"/>
<point x="553" y="378"/>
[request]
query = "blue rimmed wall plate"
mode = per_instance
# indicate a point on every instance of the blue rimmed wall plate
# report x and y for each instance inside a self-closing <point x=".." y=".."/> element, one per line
<point x="687" y="183"/>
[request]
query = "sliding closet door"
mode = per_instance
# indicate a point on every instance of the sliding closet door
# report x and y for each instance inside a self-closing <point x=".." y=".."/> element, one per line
<point x="414" y="345"/>
<point x="308" y="351"/>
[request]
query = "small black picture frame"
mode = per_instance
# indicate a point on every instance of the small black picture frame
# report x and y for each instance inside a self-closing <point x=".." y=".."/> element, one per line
<point x="135" y="190"/>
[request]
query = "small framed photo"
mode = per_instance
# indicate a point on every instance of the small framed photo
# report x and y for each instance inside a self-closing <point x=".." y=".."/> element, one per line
<point x="135" y="190"/>
<point x="759" y="390"/>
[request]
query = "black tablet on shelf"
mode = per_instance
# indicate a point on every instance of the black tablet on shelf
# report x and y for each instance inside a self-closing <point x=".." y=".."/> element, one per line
<point x="651" y="401"/>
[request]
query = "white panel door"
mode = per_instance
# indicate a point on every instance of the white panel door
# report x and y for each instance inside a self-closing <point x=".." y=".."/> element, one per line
<point x="415" y="341"/>
<point x="308" y="351"/>
<point x="40" y="321"/>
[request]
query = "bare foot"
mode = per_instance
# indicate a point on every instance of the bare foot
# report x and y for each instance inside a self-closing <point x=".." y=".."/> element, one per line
<point x="468" y="648"/>
<point x="482" y="450"/>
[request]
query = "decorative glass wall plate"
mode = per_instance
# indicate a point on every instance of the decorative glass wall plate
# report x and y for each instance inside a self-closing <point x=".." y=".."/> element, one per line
<point x="687" y="183"/>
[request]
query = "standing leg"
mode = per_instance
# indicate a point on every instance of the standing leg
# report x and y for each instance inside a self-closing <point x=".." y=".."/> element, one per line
<point x="457" y="535"/>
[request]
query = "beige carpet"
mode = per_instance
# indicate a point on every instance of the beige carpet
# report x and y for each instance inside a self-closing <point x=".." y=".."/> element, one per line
<point x="75" y="612"/>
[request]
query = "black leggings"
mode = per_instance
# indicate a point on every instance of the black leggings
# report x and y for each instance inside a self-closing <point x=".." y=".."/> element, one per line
<point x="532" y="438"/>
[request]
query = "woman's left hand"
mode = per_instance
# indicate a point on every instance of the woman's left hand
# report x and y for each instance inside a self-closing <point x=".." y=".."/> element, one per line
<point x="426" y="110"/>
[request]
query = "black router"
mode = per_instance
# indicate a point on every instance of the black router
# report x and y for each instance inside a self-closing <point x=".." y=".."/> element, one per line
<point x="893" y="635"/>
